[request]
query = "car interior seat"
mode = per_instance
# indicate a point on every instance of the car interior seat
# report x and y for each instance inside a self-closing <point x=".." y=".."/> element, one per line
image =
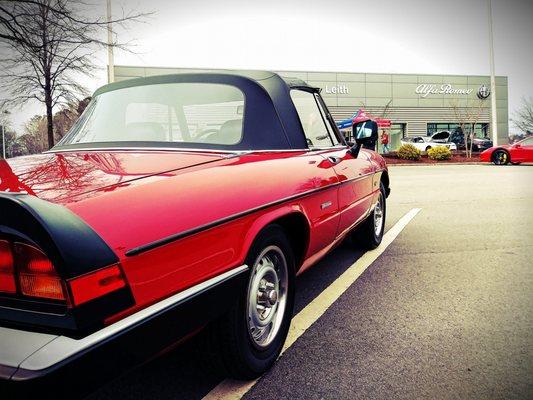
<point x="230" y="132"/>
<point x="146" y="131"/>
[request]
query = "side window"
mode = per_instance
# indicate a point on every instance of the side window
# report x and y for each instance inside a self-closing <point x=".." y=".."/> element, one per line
<point x="528" y="142"/>
<point x="315" y="128"/>
<point x="327" y="121"/>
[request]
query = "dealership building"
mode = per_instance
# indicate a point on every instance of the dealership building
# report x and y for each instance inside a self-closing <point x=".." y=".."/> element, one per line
<point x="416" y="105"/>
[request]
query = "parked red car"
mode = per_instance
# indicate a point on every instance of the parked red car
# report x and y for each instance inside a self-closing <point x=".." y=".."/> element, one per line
<point x="175" y="203"/>
<point x="520" y="152"/>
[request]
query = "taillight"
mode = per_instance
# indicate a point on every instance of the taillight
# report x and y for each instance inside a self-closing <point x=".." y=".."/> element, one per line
<point x="7" y="275"/>
<point x="96" y="284"/>
<point x="26" y="271"/>
<point x="37" y="275"/>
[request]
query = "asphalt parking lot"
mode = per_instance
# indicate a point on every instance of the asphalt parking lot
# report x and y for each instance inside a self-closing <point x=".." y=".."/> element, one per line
<point x="444" y="313"/>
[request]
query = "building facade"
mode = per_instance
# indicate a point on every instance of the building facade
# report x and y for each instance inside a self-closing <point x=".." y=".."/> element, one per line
<point x="417" y="105"/>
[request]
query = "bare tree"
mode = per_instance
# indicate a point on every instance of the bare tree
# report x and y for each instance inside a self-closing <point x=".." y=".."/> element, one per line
<point x="46" y="45"/>
<point x="523" y="117"/>
<point x="7" y="134"/>
<point x="33" y="139"/>
<point x="379" y="112"/>
<point x="382" y="111"/>
<point x="467" y="118"/>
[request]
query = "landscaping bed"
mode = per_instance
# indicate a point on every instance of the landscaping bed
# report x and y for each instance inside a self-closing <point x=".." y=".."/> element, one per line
<point x="457" y="158"/>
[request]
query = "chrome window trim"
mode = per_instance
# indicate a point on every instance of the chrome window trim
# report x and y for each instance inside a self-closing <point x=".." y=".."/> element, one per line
<point x="133" y="148"/>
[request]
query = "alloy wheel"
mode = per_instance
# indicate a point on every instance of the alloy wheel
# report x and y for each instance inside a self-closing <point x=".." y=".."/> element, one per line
<point x="500" y="158"/>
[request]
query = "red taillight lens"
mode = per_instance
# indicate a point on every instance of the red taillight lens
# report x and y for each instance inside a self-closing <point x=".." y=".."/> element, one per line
<point x="7" y="276"/>
<point x="36" y="274"/>
<point x="96" y="284"/>
<point x="26" y="271"/>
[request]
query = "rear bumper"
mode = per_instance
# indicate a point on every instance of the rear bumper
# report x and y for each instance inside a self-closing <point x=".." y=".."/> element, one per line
<point x="77" y="367"/>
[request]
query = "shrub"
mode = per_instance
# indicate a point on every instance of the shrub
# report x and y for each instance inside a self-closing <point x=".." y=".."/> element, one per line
<point x="439" y="153"/>
<point x="408" y="152"/>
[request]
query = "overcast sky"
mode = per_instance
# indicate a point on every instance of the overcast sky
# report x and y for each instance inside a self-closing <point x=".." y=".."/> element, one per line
<point x="402" y="36"/>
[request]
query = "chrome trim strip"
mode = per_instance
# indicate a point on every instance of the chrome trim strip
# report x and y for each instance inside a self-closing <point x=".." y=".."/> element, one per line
<point x="62" y="348"/>
<point x="143" y="148"/>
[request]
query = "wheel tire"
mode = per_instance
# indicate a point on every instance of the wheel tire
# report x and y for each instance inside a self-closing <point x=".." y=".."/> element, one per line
<point x="230" y="338"/>
<point x="367" y="235"/>
<point x="500" y="157"/>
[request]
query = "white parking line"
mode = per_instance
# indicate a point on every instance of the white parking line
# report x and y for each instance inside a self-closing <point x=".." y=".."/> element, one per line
<point x="232" y="389"/>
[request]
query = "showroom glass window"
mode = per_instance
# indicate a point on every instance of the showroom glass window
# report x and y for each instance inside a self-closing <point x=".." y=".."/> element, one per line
<point x="481" y="129"/>
<point x="317" y="129"/>
<point x="170" y="112"/>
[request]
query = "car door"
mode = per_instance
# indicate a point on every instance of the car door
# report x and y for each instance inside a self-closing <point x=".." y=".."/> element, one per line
<point x="354" y="173"/>
<point x="355" y="186"/>
<point x="523" y="151"/>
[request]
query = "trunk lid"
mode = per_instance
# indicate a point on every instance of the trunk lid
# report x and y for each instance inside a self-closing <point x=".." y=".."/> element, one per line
<point x="60" y="177"/>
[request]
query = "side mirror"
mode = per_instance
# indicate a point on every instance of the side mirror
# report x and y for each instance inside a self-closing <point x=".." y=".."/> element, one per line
<point x="365" y="134"/>
<point x="518" y="145"/>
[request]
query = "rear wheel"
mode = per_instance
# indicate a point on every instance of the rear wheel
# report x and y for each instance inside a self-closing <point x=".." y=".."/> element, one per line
<point x="370" y="234"/>
<point x="500" y="157"/>
<point x="248" y="340"/>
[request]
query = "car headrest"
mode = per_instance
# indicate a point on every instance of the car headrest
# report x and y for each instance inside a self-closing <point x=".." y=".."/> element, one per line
<point x="146" y="131"/>
<point x="230" y="132"/>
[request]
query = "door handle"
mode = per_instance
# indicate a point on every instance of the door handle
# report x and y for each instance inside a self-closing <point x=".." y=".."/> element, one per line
<point x="334" y="160"/>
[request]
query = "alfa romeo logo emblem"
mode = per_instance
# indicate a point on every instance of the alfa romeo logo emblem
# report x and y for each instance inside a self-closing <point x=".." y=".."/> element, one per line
<point x="483" y="92"/>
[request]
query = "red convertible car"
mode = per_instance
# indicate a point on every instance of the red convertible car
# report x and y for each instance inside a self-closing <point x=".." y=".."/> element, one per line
<point x="520" y="152"/>
<point x="175" y="203"/>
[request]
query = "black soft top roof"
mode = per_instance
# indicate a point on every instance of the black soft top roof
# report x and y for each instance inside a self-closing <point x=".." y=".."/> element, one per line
<point x="270" y="118"/>
<point x="250" y="74"/>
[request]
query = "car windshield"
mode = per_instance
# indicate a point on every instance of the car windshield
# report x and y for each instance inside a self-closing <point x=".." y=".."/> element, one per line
<point x="170" y="112"/>
<point x="526" y="142"/>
